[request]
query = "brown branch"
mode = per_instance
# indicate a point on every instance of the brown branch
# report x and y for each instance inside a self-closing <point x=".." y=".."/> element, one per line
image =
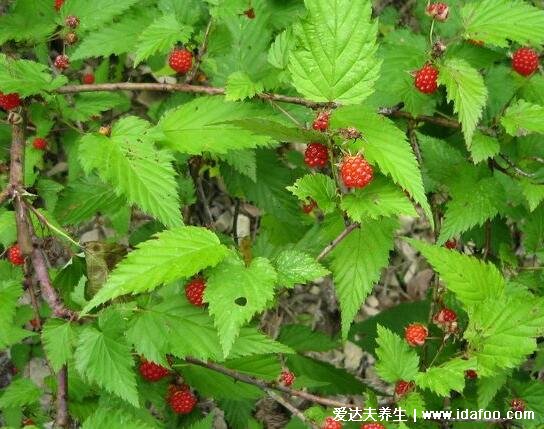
<point x="436" y="120"/>
<point x="337" y="240"/>
<point x="62" y="419"/>
<point x="263" y="385"/>
<point x="294" y="410"/>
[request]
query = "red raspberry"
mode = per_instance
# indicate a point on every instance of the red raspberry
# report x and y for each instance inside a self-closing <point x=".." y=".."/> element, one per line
<point x="181" y="60"/>
<point x="152" y="371"/>
<point x="517" y="404"/>
<point x="72" y="21"/>
<point x="250" y="13"/>
<point x="415" y="334"/>
<point x="321" y="122"/>
<point x="525" y="61"/>
<point x="330" y="423"/>
<point x="287" y="378"/>
<point x="15" y="256"/>
<point x="445" y="316"/>
<point x="316" y="155"/>
<point x="88" y="79"/>
<point x="62" y="62"/>
<point x="438" y="11"/>
<point x="451" y="244"/>
<point x="403" y="387"/>
<point x="372" y="426"/>
<point x="356" y="172"/>
<point x="182" y="402"/>
<point x="307" y="208"/>
<point x="470" y="373"/>
<point x="9" y="101"/>
<point x="35" y="323"/>
<point x="173" y="388"/>
<point x="71" y="38"/>
<point x="194" y="291"/>
<point x="39" y="143"/>
<point x="58" y="4"/>
<point x="425" y="79"/>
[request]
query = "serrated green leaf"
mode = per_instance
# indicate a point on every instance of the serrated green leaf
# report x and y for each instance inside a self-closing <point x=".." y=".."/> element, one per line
<point x="240" y="86"/>
<point x="498" y="21"/>
<point x="243" y="161"/>
<point x="96" y="13"/>
<point x="379" y="199"/>
<point x="20" y="392"/>
<point x="58" y="337"/>
<point x="396" y="360"/>
<point x="169" y="256"/>
<point x="160" y="36"/>
<point x="279" y="131"/>
<point x="385" y="145"/>
<point x="105" y="359"/>
<point x="466" y="88"/>
<point x="295" y="267"/>
<point x="302" y="338"/>
<point x="533" y="193"/>
<point x="523" y="118"/>
<point x="252" y="342"/>
<point x="412" y="402"/>
<point x="86" y="106"/>
<point x="8" y="230"/>
<point x="472" y="280"/>
<point x="27" y="20"/>
<point x="317" y="187"/>
<point x="135" y="168"/>
<point x="112" y="416"/>
<point x="357" y="263"/>
<point x="278" y="54"/>
<point x="205" y="423"/>
<point x="235" y="293"/>
<point x="488" y="387"/>
<point x="483" y="147"/>
<point x="533" y="231"/>
<point x="336" y="60"/>
<point x="446" y="377"/>
<point x="10" y="292"/>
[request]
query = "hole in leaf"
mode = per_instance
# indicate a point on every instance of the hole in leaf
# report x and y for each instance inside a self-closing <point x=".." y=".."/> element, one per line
<point x="241" y="301"/>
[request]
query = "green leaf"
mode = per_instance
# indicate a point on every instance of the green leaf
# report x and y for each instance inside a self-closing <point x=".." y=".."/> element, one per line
<point x="87" y="105"/>
<point x="160" y="36"/>
<point x="386" y="146"/>
<point x="243" y="161"/>
<point x="488" y="387"/>
<point x="357" y="263"/>
<point x="379" y="199"/>
<point x="235" y="293"/>
<point x="302" y="339"/>
<point x="202" y="126"/>
<point x="105" y="359"/>
<point x="483" y="147"/>
<point x="135" y="168"/>
<point x="169" y="256"/>
<point x="252" y="342"/>
<point x="317" y="187"/>
<point x="295" y="267"/>
<point x="240" y="86"/>
<point x="58" y="337"/>
<point x="533" y="193"/>
<point x="10" y="292"/>
<point x="110" y="415"/>
<point x="8" y="230"/>
<point x="205" y="423"/>
<point x="466" y="88"/>
<point x="19" y="393"/>
<point x="278" y="54"/>
<point x="472" y="280"/>
<point x="533" y="231"/>
<point x="26" y="77"/>
<point x="498" y="22"/>
<point x="502" y="332"/>
<point x="336" y="60"/>
<point x="396" y="360"/>
<point x="27" y="20"/>
<point x="96" y="13"/>
<point x="279" y="131"/>
<point x="523" y="118"/>
<point x="446" y="377"/>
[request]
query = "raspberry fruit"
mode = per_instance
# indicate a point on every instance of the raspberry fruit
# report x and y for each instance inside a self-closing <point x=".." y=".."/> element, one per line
<point x="451" y="244"/>
<point x="72" y="21"/>
<point x="321" y="122"/>
<point x="415" y="334"/>
<point x="330" y="423"/>
<point x="62" y="62"/>
<point x="35" y="323"/>
<point x="39" y="143"/>
<point x="438" y="11"/>
<point x="426" y="79"/>
<point x="250" y="13"/>
<point x="15" y="256"/>
<point x="152" y="371"/>
<point x="470" y="373"/>
<point x="517" y="404"/>
<point x="194" y="291"/>
<point x="372" y="426"/>
<point x="525" y="61"/>
<point x="105" y="130"/>
<point x="181" y="60"/>
<point x="182" y="402"/>
<point x="9" y="101"/>
<point x="316" y="155"/>
<point x="356" y="172"/>
<point x="403" y="387"/>
<point x="173" y="388"/>
<point x="446" y="319"/>
<point x="307" y="208"/>
<point x="88" y="79"/>
<point x="287" y="378"/>
<point x="58" y="4"/>
<point x="71" y="38"/>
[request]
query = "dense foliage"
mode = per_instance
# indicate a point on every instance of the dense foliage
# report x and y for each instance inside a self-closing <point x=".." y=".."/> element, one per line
<point x="179" y="175"/>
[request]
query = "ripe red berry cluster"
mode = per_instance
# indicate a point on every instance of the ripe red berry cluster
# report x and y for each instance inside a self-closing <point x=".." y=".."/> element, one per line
<point x="316" y="155"/>
<point x="181" y="60"/>
<point x="287" y="378"/>
<point x="372" y="426"/>
<point x="518" y="404"/>
<point x="58" y="4"/>
<point x="88" y="79"/>
<point x="403" y="387"/>
<point x="451" y="244"/>
<point x="321" y="122"/>
<point x="72" y="21"/>
<point x="182" y="401"/>
<point x="426" y="79"/>
<point x="308" y="208"/>
<point x="330" y="423"/>
<point x="438" y="11"/>
<point x="415" y="334"/>
<point x="39" y="143"/>
<point x="62" y="62"/>
<point x="15" y="256"/>
<point x="194" y="291"/>
<point x="470" y="373"/>
<point x="525" y="61"/>
<point x="250" y="13"/>
<point x="356" y="172"/>
<point x="9" y="101"/>
<point x="152" y="371"/>
<point x="446" y="319"/>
